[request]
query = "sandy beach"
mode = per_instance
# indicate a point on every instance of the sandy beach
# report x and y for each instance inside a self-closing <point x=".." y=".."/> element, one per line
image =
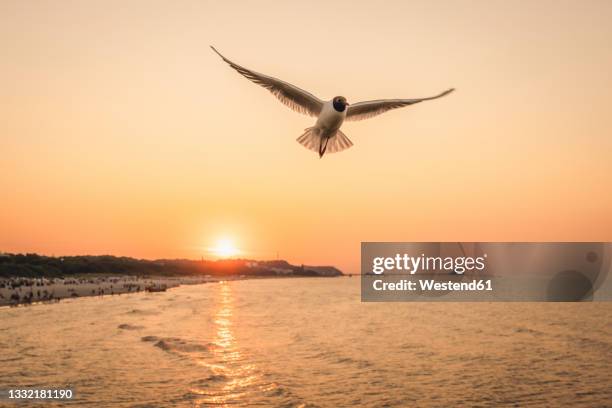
<point x="21" y="291"/>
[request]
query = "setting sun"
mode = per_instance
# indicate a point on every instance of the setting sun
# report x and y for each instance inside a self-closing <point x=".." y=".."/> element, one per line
<point x="225" y="248"/>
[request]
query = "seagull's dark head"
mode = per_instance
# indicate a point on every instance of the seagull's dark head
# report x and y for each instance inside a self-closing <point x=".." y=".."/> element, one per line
<point x="340" y="103"/>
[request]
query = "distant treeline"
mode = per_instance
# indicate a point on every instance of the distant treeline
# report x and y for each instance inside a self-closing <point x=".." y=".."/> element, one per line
<point x="33" y="265"/>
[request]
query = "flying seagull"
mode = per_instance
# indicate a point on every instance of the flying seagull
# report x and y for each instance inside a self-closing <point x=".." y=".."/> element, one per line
<point x="325" y="135"/>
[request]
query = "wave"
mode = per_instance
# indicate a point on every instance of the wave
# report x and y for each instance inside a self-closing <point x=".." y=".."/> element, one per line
<point x="178" y="345"/>
<point x="149" y="338"/>
<point x="146" y="312"/>
<point x="126" y="326"/>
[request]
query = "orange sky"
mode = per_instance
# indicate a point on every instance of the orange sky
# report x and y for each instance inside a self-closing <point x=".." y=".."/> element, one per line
<point x="121" y="132"/>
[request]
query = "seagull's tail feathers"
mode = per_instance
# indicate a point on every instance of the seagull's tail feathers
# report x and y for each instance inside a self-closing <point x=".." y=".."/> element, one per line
<point x="312" y="141"/>
<point x="338" y="143"/>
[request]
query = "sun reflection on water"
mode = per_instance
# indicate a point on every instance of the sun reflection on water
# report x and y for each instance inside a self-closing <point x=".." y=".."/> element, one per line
<point x="233" y="380"/>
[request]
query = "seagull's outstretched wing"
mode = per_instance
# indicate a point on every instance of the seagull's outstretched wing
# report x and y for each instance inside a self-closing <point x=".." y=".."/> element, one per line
<point x="368" y="109"/>
<point x="292" y="96"/>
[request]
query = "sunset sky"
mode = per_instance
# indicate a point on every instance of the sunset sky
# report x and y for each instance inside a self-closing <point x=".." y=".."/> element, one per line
<point x="122" y="133"/>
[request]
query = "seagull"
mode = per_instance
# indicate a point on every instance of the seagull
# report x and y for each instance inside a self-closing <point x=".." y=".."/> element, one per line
<point x="325" y="135"/>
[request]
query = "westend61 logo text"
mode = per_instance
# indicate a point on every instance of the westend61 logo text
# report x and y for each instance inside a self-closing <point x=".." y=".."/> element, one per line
<point x="422" y="263"/>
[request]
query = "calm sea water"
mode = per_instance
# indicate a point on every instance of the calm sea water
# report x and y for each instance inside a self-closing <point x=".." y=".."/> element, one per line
<point x="307" y="342"/>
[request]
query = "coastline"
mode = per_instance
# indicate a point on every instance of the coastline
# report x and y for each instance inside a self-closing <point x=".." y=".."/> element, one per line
<point x="32" y="278"/>
<point x="28" y="291"/>
<point x="31" y="291"/>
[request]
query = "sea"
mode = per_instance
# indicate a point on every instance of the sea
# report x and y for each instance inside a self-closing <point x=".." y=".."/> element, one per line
<point x="306" y="342"/>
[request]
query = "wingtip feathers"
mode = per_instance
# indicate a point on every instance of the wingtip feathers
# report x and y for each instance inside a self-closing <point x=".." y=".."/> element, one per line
<point x="215" y="50"/>
<point x="447" y="91"/>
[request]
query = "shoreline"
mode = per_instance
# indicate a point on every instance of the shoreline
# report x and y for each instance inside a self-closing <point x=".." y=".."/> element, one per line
<point x="33" y="291"/>
<point x="16" y="292"/>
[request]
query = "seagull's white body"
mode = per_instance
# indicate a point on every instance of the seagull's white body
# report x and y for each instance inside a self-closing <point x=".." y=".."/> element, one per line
<point x="325" y="135"/>
<point x="330" y="120"/>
